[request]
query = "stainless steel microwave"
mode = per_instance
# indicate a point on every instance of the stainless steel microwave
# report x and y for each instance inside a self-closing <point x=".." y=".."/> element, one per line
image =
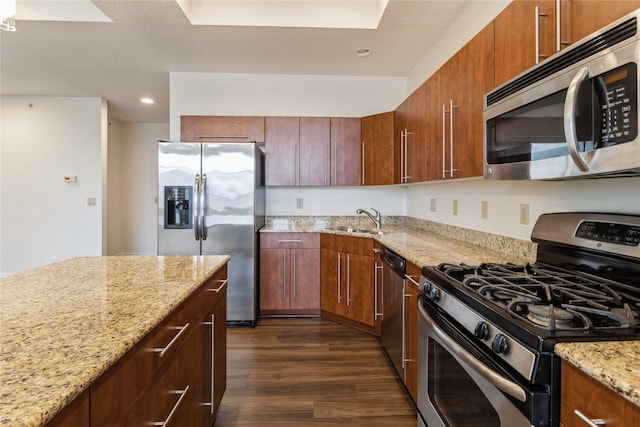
<point x="574" y="115"/>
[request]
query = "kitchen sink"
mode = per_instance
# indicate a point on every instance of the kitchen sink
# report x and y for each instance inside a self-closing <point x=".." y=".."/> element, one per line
<point x="356" y="230"/>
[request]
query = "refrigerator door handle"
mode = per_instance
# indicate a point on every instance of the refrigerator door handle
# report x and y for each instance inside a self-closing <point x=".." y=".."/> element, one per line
<point x="203" y="204"/>
<point x="196" y="197"/>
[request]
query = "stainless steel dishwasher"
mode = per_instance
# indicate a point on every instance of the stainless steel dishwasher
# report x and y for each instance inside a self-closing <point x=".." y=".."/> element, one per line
<point x="393" y="283"/>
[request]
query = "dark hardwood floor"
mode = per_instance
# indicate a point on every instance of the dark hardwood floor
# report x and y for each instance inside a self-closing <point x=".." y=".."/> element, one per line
<point x="300" y="372"/>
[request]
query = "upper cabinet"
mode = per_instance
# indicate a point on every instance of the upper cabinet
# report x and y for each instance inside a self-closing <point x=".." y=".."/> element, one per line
<point x="529" y="31"/>
<point x="410" y="138"/>
<point x="346" y="151"/>
<point x="221" y="129"/>
<point x="456" y="118"/>
<point x="378" y="149"/>
<point x="315" y="151"/>
<point x="282" y="138"/>
<point x="525" y="34"/>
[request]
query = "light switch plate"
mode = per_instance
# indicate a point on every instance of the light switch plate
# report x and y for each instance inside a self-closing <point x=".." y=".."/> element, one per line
<point x="433" y="205"/>
<point x="484" y="209"/>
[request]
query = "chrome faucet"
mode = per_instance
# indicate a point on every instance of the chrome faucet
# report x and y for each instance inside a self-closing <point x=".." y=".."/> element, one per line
<point x="376" y="219"/>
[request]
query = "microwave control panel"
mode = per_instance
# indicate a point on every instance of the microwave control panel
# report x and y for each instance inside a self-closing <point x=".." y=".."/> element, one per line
<point x="619" y="110"/>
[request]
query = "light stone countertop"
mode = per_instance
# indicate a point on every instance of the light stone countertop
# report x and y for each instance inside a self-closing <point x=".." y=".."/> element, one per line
<point x="423" y="243"/>
<point x="613" y="363"/>
<point x="64" y="324"/>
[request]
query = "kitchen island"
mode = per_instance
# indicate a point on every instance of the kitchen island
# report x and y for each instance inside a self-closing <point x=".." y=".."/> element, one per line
<point x="64" y="325"/>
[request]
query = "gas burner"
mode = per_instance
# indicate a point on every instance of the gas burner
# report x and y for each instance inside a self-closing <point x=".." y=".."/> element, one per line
<point x="550" y="316"/>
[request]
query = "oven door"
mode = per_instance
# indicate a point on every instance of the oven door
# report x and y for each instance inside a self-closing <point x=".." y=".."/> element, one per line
<point x="459" y="386"/>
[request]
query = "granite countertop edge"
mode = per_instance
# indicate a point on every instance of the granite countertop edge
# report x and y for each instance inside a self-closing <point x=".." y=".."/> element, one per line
<point x="97" y="335"/>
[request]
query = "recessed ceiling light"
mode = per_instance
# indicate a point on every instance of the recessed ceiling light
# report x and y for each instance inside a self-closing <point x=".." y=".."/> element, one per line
<point x="147" y="100"/>
<point x="363" y="51"/>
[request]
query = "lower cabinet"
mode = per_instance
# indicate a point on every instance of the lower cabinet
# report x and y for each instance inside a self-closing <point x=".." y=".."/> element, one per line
<point x="411" y="293"/>
<point x="289" y="274"/>
<point x="595" y="401"/>
<point x="75" y="414"/>
<point x="347" y="291"/>
<point x="176" y="375"/>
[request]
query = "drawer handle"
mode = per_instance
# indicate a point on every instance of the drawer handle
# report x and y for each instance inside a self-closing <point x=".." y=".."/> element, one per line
<point x="412" y="280"/>
<point x="219" y="288"/>
<point x="182" y="394"/>
<point x="162" y="351"/>
<point x="591" y="422"/>
<point x="289" y="240"/>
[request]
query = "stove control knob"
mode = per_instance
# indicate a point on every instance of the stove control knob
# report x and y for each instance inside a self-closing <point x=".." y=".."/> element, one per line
<point x="434" y="294"/>
<point x="500" y="344"/>
<point x="426" y="287"/>
<point x="482" y="330"/>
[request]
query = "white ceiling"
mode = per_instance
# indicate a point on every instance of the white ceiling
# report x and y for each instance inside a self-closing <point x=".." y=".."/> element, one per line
<point x="132" y="56"/>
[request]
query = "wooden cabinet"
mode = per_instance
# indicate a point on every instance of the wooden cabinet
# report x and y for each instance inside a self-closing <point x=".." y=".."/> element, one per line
<point x="221" y="129"/>
<point x="517" y="44"/>
<point x="588" y="16"/>
<point x="347" y="292"/>
<point x="410" y="139"/>
<point x="168" y="373"/>
<point x="411" y="329"/>
<point x="346" y="151"/>
<point x="315" y="151"/>
<point x="75" y="414"/>
<point x="593" y="399"/>
<point x="289" y="274"/>
<point x="282" y="139"/>
<point x="214" y="337"/>
<point x="378" y="149"/>
<point x="457" y="118"/>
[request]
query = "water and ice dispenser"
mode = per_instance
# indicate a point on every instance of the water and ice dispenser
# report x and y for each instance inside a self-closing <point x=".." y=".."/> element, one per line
<point x="178" y="205"/>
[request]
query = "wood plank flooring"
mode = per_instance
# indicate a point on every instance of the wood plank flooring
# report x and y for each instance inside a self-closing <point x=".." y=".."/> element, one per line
<point x="301" y="372"/>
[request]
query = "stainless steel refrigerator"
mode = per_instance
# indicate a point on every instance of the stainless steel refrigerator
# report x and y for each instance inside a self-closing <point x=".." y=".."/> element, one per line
<point x="211" y="201"/>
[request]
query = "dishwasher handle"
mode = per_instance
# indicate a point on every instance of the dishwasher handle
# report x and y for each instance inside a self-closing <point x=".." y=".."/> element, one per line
<point x="394" y="261"/>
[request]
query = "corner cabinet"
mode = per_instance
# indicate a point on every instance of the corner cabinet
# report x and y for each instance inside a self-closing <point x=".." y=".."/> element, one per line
<point x="593" y="400"/>
<point x="410" y="138"/>
<point x="176" y="374"/>
<point x="289" y="274"/>
<point x="347" y="291"/>
<point x="378" y="149"/>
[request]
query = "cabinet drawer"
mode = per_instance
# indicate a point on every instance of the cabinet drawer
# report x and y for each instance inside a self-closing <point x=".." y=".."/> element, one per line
<point x="115" y="391"/>
<point x="289" y="240"/>
<point x="214" y="288"/>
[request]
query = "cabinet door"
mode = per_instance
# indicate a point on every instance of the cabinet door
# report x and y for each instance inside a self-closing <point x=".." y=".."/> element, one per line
<point x="588" y="16"/>
<point x="219" y="349"/>
<point x="411" y="330"/>
<point x="274" y="279"/>
<point x="76" y="414"/>
<point x="515" y="37"/>
<point x="221" y="128"/>
<point x="331" y="287"/>
<point x="346" y="151"/>
<point x="360" y="290"/>
<point x="401" y="124"/>
<point x="465" y="145"/>
<point x="281" y="146"/>
<point x="378" y="149"/>
<point x="315" y="147"/>
<point x="416" y="144"/>
<point x="305" y="284"/>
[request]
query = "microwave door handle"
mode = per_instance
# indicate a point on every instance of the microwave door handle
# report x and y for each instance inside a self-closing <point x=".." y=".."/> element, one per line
<point x="570" y="132"/>
<point x="500" y="382"/>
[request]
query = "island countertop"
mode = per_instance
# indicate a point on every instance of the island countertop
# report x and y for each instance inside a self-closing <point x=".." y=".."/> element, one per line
<point x="64" y="324"/>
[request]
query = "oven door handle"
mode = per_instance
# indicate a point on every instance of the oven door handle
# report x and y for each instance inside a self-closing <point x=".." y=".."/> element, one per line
<point x="500" y="382"/>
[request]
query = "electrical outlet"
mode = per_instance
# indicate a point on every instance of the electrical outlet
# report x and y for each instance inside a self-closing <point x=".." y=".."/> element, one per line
<point x="484" y="209"/>
<point x="455" y="207"/>
<point x="433" y="205"/>
<point x="524" y="213"/>
<point x="299" y="203"/>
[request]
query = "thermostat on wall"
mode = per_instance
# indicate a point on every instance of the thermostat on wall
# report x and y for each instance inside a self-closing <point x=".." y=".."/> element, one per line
<point x="70" y="178"/>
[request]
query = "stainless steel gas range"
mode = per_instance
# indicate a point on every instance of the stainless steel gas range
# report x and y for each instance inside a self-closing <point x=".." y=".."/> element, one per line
<point x="487" y="332"/>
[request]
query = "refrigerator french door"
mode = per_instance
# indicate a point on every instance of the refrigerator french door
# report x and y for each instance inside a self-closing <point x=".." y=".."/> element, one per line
<point x="211" y="202"/>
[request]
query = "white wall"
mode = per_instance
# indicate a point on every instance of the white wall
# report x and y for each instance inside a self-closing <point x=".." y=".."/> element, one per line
<point x="133" y="169"/>
<point x="42" y="218"/>
<point x="616" y="195"/>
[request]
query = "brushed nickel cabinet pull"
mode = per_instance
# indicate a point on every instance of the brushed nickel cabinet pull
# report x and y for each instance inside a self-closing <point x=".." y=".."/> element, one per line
<point x="182" y="394"/>
<point x="591" y="422"/>
<point x="219" y="288"/>
<point x="164" y="350"/>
